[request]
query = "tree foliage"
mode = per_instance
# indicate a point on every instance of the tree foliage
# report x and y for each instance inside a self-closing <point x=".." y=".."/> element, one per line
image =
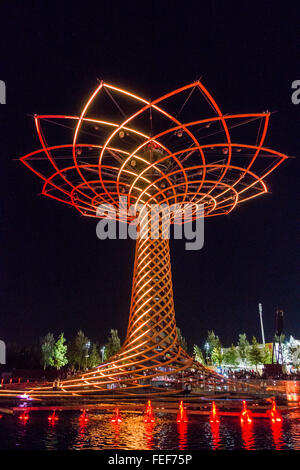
<point x="198" y="355"/>
<point x="78" y="350"/>
<point x="182" y="340"/>
<point x="47" y="348"/>
<point x="59" y="357"/>
<point x="217" y="355"/>
<point x="243" y="348"/>
<point x="214" y="349"/>
<point x="213" y="342"/>
<point x="255" y="353"/>
<point x="113" y="345"/>
<point x="266" y="355"/>
<point x="231" y="356"/>
<point x="94" y="357"/>
<point x="294" y="355"/>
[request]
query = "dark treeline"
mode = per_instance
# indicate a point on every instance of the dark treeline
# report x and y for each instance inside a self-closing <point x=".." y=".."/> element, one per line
<point x="50" y="352"/>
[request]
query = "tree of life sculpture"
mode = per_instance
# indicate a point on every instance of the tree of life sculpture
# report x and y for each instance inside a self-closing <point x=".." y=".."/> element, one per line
<point x="178" y="149"/>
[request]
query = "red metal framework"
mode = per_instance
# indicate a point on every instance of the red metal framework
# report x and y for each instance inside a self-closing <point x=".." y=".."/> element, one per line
<point x="156" y="152"/>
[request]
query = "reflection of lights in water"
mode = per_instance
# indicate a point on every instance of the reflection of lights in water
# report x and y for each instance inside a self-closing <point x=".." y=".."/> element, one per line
<point x="248" y="435"/>
<point x="131" y="433"/>
<point x="182" y="431"/>
<point x="116" y="426"/>
<point x="295" y="432"/>
<point x="21" y="430"/>
<point x="292" y="390"/>
<point x="81" y="434"/>
<point x="51" y="439"/>
<point x="215" y="434"/>
<point x="149" y="434"/>
<point x="277" y="434"/>
<point x="165" y="433"/>
<point x="82" y="438"/>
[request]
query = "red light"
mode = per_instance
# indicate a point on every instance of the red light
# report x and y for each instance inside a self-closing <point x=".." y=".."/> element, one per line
<point x="246" y="414"/>
<point x="116" y="419"/>
<point x="83" y="418"/>
<point x="214" y="416"/>
<point x="182" y="416"/>
<point x="24" y="417"/>
<point x="52" y="418"/>
<point x="274" y="413"/>
<point x="149" y="416"/>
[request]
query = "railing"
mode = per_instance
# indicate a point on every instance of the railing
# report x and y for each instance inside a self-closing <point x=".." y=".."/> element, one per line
<point x="19" y="380"/>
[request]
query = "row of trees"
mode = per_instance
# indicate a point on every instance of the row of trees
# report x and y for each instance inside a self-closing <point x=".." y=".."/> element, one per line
<point x="80" y="353"/>
<point x="244" y="352"/>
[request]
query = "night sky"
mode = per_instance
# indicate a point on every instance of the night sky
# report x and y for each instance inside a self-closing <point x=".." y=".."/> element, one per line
<point x="55" y="274"/>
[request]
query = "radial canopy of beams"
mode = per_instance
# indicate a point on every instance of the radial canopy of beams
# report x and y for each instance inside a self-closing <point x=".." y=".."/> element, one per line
<point x="178" y="149"/>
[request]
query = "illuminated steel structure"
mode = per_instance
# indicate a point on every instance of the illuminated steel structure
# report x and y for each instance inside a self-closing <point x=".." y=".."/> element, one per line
<point x="154" y="152"/>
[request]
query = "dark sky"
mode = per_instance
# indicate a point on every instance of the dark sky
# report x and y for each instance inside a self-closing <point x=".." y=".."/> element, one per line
<point x="55" y="274"/>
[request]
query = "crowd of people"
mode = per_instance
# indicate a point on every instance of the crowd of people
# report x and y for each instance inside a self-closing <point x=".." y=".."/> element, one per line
<point x="253" y="374"/>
